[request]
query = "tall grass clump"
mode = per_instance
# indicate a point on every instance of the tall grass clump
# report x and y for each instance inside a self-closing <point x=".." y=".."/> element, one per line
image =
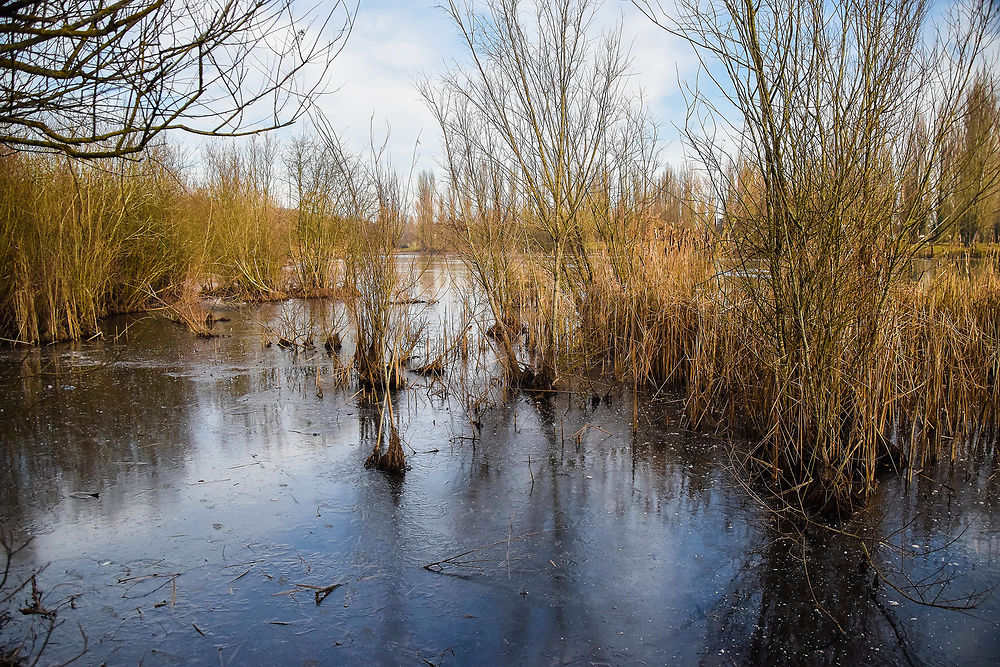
<point x="372" y="205"/>
<point x="377" y="297"/>
<point x="83" y="239"/>
<point x="949" y="381"/>
<point x="633" y="282"/>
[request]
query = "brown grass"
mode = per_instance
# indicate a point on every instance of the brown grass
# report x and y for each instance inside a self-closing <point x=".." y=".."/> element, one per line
<point x="80" y="241"/>
<point x="911" y="387"/>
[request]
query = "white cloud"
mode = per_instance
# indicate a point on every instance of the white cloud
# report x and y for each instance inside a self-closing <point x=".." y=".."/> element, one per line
<point x="391" y="46"/>
<point x="394" y="43"/>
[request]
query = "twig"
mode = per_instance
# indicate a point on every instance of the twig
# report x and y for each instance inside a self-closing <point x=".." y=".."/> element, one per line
<point x="321" y="592"/>
<point x="438" y="566"/>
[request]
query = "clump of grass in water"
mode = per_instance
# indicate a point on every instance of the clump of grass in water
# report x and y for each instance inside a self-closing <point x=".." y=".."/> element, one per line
<point x="924" y="383"/>
<point x="377" y="297"/>
<point x="927" y="380"/>
<point x="393" y="460"/>
<point x="185" y="308"/>
<point x="376" y="292"/>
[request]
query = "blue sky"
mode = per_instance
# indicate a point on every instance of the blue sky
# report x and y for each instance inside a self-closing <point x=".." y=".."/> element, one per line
<point x="395" y="43"/>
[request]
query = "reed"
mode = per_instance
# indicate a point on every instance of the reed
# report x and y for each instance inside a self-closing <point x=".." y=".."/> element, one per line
<point x="372" y="201"/>
<point x="85" y="239"/>
<point x="376" y="299"/>
<point x="917" y="383"/>
<point x="81" y="240"/>
<point x="906" y="379"/>
<point x="376" y="290"/>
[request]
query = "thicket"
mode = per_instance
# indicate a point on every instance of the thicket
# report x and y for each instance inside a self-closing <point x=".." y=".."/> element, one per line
<point x="784" y="304"/>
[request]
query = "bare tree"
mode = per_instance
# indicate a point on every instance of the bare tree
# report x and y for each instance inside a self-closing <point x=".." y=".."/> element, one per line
<point x="817" y="111"/>
<point x="977" y="178"/>
<point x="537" y="114"/>
<point x="322" y="212"/>
<point x="426" y="211"/>
<point x="100" y="78"/>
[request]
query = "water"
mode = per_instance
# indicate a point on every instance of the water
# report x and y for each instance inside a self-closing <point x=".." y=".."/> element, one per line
<point x="228" y="492"/>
